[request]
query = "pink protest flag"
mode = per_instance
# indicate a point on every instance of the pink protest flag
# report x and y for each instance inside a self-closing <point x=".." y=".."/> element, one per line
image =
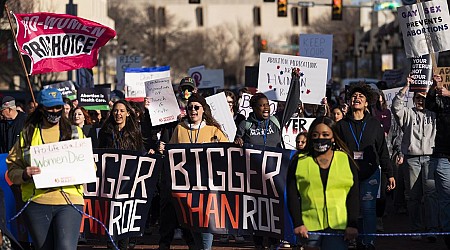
<point x="60" y="42"/>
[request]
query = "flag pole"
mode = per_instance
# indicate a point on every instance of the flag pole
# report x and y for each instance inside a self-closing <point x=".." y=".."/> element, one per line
<point x="20" y="55"/>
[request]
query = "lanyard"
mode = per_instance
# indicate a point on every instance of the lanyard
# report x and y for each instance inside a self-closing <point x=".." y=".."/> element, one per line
<point x="197" y="134"/>
<point x="265" y="131"/>
<point x="358" y="142"/>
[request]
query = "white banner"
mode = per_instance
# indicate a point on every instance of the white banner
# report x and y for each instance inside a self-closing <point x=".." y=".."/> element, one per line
<point x="63" y="163"/>
<point x="124" y="62"/>
<point x="163" y="107"/>
<point x="427" y="19"/>
<point x="221" y="112"/>
<point x="135" y="79"/>
<point x="390" y="94"/>
<point x="293" y="128"/>
<point x="319" y="46"/>
<point x="245" y="109"/>
<point x="274" y="77"/>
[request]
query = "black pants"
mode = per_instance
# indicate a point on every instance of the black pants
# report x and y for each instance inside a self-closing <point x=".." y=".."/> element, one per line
<point x="168" y="222"/>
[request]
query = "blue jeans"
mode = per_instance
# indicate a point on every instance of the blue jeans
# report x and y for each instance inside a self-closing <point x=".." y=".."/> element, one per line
<point x="53" y="226"/>
<point x="367" y="221"/>
<point x="441" y="168"/>
<point x="421" y="183"/>
<point x="326" y="242"/>
<point x="203" y="241"/>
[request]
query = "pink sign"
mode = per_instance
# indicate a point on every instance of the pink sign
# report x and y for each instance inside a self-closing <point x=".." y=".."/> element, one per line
<point x="60" y="42"/>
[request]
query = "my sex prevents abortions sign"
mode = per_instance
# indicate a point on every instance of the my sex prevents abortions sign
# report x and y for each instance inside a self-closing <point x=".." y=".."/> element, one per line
<point x="59" y="42"/>
<point x="222" y="188"/>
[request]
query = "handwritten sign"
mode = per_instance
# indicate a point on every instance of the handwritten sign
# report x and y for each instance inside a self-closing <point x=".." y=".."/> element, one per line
<point x="319" y="46"/>
<point x="63" y="163"/>
<point x="221" y="112"/>
<point x="245" y="109"/>
<point x="425" y="21"/>
<point x="390" y="94"/>
<point x="135" y="79"/>
<point x="124" y="62"/>
<point x="274" y="77"/>
<point x="163" y="105"/>
<point x="294" y="126"/>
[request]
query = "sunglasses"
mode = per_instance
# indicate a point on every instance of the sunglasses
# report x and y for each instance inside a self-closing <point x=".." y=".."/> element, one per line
<point x="196" y="107"/>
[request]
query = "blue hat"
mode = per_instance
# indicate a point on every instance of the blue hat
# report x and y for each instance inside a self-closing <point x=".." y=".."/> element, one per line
<point x="50" y="97"/>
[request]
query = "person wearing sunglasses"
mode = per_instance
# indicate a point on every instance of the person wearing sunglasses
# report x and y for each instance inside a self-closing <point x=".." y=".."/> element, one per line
<point x="186" y="88"/>
<point x="198" y="126"/>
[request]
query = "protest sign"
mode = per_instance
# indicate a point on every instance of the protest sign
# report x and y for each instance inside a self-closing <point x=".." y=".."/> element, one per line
<point x="425" y="27"/>
<point x="60" y="42"/>
<point x="207" y="78"/>
<point x="445" y="73"/>
<point x="274" y="77"/>
<point x="163" y="105"/>
<point x="135" y="79"/>
<point x="121" y="196"/>
<point x="221" y="112"/>
<point x="67" y="89"/>
<point x="124" y="62"/>
<point x="318" y="46"/>
<point x="392" y="76"/>
<point x="245" y="109"/>
<point x="421" y="73"/>
<point x="96" y="98"/>
<point x="225" y="189"/>
<point x="294" y="126"/>
<point x="63" y="163"/>
<point x="390" y="94"/>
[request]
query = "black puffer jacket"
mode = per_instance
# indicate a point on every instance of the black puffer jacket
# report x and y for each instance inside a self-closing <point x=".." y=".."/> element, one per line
<point x="441" y="106"/>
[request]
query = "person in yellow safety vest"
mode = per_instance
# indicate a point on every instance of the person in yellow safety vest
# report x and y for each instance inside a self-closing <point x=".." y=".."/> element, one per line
<point x="52" y="221"/>
<point x="322" y="189"/>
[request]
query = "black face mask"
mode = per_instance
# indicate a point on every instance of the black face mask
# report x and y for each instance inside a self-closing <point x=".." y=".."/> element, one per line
<point x="321" y="145"/>
<point x="53" y="117"/>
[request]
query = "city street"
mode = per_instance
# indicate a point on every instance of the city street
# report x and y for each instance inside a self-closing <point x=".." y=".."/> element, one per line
<point x="393" y="224"/>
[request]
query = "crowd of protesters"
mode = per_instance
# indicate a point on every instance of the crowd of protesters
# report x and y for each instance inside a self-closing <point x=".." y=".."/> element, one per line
<point x="357" y="154"/>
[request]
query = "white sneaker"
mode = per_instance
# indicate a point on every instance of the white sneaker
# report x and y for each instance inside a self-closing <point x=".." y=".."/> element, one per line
<point x="178" y="234"/>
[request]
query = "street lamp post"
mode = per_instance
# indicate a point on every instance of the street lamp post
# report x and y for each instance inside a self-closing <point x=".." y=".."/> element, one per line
<point x="71" y="9"/>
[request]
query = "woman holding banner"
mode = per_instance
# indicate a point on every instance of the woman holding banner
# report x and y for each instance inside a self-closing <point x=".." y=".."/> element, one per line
<point x="52" y="221"/>
<point x="198" y="126"/>
<point x="121" y="130"/>
<point x="322" y="189"/>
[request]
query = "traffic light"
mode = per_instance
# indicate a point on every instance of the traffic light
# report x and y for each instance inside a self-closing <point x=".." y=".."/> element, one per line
<point x="260" y="45"/>
<point x="336" y="11"/>
<point x="282" y="8"/>
<point x="263" y="45"/>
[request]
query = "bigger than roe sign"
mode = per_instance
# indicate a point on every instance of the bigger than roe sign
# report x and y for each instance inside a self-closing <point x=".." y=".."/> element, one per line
<point x="63" y="163"/>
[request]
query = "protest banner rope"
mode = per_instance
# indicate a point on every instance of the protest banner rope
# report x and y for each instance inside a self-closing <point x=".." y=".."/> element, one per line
<point x="20" y="55"/>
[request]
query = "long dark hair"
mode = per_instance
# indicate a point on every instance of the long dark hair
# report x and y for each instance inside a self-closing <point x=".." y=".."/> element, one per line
<point x="338" y="143"/>
<point x="130" y="137"/>
<point x="36" y="119"/>
<point x="233" y="96"/>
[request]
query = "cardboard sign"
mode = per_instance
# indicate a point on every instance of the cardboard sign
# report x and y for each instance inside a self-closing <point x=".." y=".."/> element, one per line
<point x="245" y="109"/>
<point x="221" y="112"/>
<point x="63" y="163"/>
<point x="390" y="94"/>
<point x="318" y="46"/>
<point x="275" y="77"/>
<point x="124" y="62"/>
<point x="163" y="106"/>
<point x="425" y="21"/>
<point x="421" y="73"/>
<point x="445" y="73"/>
<point x="135" y="79"/>
<point x="295" y="126"/>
